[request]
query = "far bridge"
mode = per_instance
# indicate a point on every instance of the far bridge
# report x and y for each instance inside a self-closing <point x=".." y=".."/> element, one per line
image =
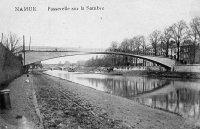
<point x="36" y="54"/>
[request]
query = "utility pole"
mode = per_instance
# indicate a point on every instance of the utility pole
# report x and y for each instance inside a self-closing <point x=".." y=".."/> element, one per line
<point x="24" y="48"/>
<point x="30" y="44"/>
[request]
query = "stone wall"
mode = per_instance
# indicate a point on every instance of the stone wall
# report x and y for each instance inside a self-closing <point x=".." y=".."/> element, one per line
<point x="10" y="65"/>
<point x="187" y="68"/>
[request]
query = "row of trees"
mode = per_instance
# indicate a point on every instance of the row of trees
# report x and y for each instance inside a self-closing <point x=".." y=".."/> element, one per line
<point x="157" y="43"/>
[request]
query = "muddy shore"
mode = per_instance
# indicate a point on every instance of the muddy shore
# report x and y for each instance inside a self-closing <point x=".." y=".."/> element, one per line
<point x="64" y="104"/>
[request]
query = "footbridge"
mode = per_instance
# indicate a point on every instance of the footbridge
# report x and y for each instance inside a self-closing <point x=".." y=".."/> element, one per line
<point x="36" y="54"/>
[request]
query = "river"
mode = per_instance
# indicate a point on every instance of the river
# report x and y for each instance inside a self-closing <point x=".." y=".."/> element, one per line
<point x="172" y="95"/>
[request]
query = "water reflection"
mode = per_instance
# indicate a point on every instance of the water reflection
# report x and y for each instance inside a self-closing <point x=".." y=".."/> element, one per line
<point x="181" y="97"/>
<point x="182" y="101"/>
<point x="127" y="86"/>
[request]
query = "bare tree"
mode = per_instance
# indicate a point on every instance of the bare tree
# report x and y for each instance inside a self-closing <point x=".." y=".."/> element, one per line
<point x="165" y="41"/>
<point x="113" y="57"/>
<point x="132" y="44"/>
<point x="154" y="39"/>
<point x="12" y="42"/>
<point x="124" y="46"/>
<point x="179" y="32"/>
<point x="113" y="47"/>
<point x="194" y="31"/>
<point x="143" y="43"/>
<point x="137" y="44"/>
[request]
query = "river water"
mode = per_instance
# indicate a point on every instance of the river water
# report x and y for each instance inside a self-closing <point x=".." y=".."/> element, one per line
<point x="176" y="96"/>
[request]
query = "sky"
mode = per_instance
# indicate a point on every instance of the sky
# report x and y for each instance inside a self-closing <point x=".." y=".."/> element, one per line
<point x="120" y="19"/>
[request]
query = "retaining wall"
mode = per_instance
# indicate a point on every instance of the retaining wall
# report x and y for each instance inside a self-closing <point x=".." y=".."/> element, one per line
<point x="10" y="65"/>
<point x="187" y="68"/>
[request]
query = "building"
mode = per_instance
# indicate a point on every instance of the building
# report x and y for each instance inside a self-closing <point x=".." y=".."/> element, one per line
<point x="189" y="53"/>
<point x="197" y="55"/>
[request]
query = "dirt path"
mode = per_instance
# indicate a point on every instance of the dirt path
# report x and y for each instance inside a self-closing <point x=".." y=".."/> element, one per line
<point x="64" y="104"/>
<point x="22" y="115"/>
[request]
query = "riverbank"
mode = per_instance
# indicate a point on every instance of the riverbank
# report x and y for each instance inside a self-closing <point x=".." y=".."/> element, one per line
<point x="143" y="72"/>
<point x="162" y="74"/>
<point x="64" y="104"/>
<point x="154" y="74"/>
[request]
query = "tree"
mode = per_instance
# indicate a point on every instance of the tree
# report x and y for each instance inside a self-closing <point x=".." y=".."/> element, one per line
<point x="165" y="41"/>
<point x="132" y="44"/>
<point x="143" y="43"/>
<point x="124" y="46"/>
<point x="179" y="33"/>
<point x="137" y="44"/>
<point x="194" y="32"/>
<point x="113" y="47"/>
<point x="12" y="42"/>
<point x="154" y="39"/>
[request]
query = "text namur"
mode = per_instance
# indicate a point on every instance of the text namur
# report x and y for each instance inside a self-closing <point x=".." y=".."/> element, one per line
<point x="25" y="9"/>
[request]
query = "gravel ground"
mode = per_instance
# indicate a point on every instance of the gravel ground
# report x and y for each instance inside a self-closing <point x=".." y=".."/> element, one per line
<point x="64" y="110"/>
<point x="64" y="105"/>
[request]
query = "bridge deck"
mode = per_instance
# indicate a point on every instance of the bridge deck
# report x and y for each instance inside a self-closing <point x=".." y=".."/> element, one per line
<point x="41" y="54"/>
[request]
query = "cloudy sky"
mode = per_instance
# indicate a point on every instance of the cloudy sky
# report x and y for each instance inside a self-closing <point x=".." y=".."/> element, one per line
<point x="92" y="29"/>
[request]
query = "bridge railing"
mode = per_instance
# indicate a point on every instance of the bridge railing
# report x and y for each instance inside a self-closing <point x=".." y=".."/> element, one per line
<point x="59" y="49"/>
<point x="66" y="49"/>
<point x="54" y="49"/>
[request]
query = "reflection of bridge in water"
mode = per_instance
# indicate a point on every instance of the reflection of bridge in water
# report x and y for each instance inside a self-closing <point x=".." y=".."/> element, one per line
<point x="183" y="101"/>
<point x="131" y="87"/>
<point x="41" y="53"/>
<point x="173" y="96"/>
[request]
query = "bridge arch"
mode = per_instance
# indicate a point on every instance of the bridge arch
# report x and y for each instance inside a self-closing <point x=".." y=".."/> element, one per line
<point x="35" y="56"/>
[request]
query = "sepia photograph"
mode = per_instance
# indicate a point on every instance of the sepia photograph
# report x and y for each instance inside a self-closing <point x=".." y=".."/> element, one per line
<point x="100" y="64"/>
